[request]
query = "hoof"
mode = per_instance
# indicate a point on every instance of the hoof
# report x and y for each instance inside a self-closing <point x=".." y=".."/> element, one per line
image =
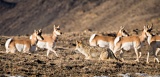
<point x="147" y="62"/>
<point x="136" y="60"/>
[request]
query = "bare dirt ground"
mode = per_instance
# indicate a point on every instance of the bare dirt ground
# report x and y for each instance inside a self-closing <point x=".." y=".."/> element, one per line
<point x="73" y="64"/>
<point x="21" y="17"/>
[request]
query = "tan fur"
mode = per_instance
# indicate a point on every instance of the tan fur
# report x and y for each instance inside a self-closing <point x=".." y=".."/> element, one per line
<point x="154" y="42"/>
<point x="92" y="53"/>
<point x="107" y="39"/>
<point x="133" y="41"/>
<point x="50" y="40"/>
<point x="25" y="43"/>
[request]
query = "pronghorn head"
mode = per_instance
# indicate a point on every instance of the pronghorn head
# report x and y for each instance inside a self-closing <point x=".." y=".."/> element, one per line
<point x="37" y="35"/>
<point x="57" y="30"/>
<point x="122" y="32"/>
<point x="78" y="45"/>
<point x="147" y="30"/>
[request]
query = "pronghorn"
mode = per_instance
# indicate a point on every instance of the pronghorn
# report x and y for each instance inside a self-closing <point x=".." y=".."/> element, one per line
<point x="106" y="41"/>
<point x="24" y="45"/>
<point x="92" y="53"/>
<point x="127" y="43"/>
<point x="49" y="41"/>
<point x="154" y="42"/>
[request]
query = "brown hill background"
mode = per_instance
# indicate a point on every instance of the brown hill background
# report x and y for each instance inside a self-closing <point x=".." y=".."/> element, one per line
<point x="19" y="17"/>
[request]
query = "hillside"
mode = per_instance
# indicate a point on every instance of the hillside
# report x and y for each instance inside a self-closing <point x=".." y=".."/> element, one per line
<point x="76" y="17"/>
<point x="18" y="17"/>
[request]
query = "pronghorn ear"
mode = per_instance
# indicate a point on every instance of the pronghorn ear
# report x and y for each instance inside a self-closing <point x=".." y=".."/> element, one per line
<point x="145" y="28"/>
<point x="35" y="31"/>
<point x="77" y="42"/>
<point x="80" y="41"/>
<point x="58" y="26"/>
<point x="122" y="27"/>
<point x="40" y="32"/>
<point x="54" y="27"/>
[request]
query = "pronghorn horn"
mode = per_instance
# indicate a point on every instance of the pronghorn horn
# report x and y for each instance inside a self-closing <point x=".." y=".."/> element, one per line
<point x="35" y="31"/>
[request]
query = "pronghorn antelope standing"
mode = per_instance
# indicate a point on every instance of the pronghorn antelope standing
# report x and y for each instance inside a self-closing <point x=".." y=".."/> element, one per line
<point x="127" y="43"/>
<point x="154" y="42"/>
<point x="23" y="44"/>
<point x="106" y="41"/>
<point x="49" y="41"/>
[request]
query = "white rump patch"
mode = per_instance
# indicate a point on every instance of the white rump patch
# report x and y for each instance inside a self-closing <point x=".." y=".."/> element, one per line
<point x="102" y="43"/>
<point x="91" y="38"/>
<point x="7" y="43"/>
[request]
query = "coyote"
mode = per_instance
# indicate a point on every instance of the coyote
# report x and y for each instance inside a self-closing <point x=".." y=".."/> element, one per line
<point x="91" y="52"/>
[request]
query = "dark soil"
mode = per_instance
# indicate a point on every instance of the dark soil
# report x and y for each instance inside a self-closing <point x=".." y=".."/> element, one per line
<point x="71" y="63"/>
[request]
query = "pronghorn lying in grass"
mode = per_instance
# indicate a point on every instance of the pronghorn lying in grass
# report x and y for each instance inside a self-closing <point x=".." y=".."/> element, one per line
<point x="91" y="53"/>
<point x="23" y="44"/>
<point x="106" y="41"/>
<point x="49" y="40"/>
<point x="154" y="42"/>
<point x="127" y="43"/>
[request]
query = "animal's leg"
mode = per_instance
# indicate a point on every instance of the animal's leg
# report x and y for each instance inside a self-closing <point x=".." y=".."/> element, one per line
<point x="50" y="48"/>
<point x="121" y="55"/>
<point x="151" y="49"/>
<point x="26" y="49"/>
<point x="136" y="51"/>
<point x="36" y="49"/>
<point x="54" y="52"/>
<point x="140" y="54"/>
<point x="155" y="55"/>
<point x="147" y="57"/>
<point x="7" y="50"/>
<point x="111" y="47"/>
<point x="13" y="50"/>
<point x="48" y="52"/>
<point x="117" y="48"/>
